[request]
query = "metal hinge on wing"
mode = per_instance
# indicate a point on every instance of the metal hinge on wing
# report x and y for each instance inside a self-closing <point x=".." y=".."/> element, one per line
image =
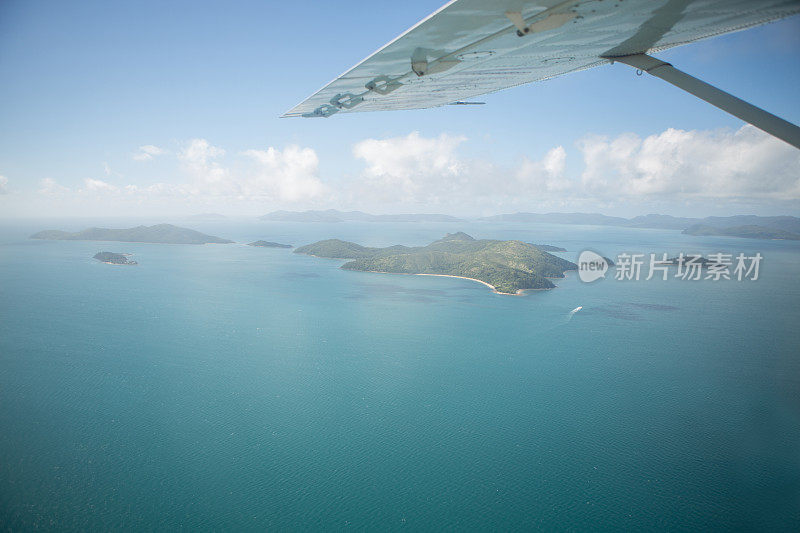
<point x="323" y="111"/>
<point x="550" y="22"/>
<point x="340" y="101"/>
<point x="383" y="85"/>
<point x="421" y="67"/>
<point x="346" y="100"/>
<point x="380" y="85"/>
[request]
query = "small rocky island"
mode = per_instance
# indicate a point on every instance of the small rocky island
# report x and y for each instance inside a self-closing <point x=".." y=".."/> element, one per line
<point x="114" y="259"/>
<point x="269" y="244"/>
<point x="508" y="267"/>
<point x="160" y="234"/>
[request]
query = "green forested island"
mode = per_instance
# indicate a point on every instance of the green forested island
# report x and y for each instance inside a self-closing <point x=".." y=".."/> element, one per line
<point x="269" y="244"/>
<point x="160" y="233"/>
<point x="509" y="267"/>
<point x="114" y="259"/>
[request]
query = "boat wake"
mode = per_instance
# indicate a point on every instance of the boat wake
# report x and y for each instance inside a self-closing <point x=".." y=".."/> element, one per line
<point x="566" y="319"/>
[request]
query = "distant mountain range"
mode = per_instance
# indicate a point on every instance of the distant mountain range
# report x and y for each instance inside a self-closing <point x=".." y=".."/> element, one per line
<point x="593" y="219"/>
<point x="750" y="226"/>
<point x="750" y="232"/>
<point x="161" y="234"/>
<point x="332" y="215"/>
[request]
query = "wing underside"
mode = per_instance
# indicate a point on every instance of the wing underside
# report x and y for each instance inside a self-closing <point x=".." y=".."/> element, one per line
<point x="473" y="47"/>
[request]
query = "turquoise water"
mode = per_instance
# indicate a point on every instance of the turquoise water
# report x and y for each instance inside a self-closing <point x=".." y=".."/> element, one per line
<point x="230" y="387"/>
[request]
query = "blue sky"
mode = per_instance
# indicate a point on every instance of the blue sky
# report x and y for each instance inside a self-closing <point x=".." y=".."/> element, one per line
<point x="85" y="84"/>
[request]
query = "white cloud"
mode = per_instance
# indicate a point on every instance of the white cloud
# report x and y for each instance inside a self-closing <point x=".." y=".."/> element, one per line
<point x="98" y="186"/>
<point x="148" y="152"/>
<point x="405" y="167"/>
<point x="199" y="161"/>
<point x="746" y="163"/>
<point x="256" y="177"/>
<point x="432" y="171"/>
<point x="291" y="175"/>
<point x="3" y="185"/>
<point x="546" y="175"/>
<point x="50" y="187"/>
<point x="109" y="172"/>
<point x="200" y="152"/>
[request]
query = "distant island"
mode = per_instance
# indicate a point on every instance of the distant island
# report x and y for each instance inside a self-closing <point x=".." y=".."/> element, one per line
<point x="114" y="259"/>
<point x="548" y="247"/>
<point x="332" y="215"/>
<point x="593" y="219"/>
<point x="508" y="267"/>
<point x="269" y="244"/>
<point x="160" y="234"/>
<point x="749" y="226"/>
<point x="750" y="231"/>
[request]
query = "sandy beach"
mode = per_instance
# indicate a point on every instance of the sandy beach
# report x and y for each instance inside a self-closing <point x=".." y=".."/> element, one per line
<point x="520" y="292"/>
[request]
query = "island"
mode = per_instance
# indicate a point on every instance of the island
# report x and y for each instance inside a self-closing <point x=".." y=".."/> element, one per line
<point x="748" y="231"/>
<point x="507" y="267"/>
<point x="269" y="244"/>
<point x="747" y="226"/>
<point x="548" y="247"/>
<point x="159" y="234"/>
<point x="114" y="259"/>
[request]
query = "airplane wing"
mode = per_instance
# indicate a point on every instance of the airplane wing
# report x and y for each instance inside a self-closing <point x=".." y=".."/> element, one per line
<point x="472" y="47"/>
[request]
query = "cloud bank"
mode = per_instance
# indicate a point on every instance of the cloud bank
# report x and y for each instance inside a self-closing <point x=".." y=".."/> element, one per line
<point x="676" y="163"/>
<point x="673" y="167"/>
<point x="148" y="152"/>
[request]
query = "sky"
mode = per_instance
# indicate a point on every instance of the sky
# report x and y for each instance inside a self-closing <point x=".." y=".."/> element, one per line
<point x="154" y="108"/>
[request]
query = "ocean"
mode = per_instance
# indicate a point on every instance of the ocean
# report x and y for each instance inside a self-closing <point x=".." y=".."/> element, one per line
<point x="227" y="387"/>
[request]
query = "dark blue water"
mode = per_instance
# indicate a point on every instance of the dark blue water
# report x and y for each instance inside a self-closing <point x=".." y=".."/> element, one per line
<point x="230" y="387"/>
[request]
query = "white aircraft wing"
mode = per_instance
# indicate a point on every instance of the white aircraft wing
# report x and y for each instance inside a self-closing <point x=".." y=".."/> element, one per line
<point x="472" y="47"/>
